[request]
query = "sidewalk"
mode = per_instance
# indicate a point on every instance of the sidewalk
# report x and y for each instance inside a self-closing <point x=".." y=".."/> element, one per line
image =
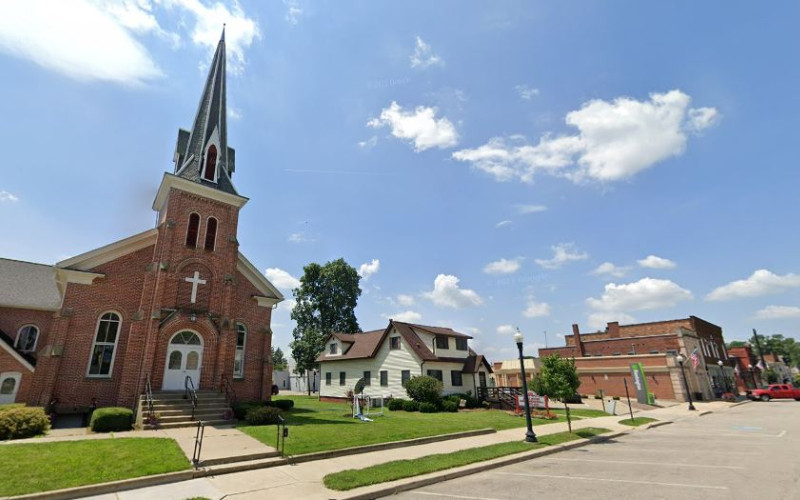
<point x="304" y="480"/>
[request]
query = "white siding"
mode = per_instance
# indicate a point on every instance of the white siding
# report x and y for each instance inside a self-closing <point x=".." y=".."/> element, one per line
<point x="446" y="380"/>
<point x="451" y="352"/>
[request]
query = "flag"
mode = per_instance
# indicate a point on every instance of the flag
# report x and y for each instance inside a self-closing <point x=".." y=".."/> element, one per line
<point x="695" y="359"/>
<point x="760" y="366"/>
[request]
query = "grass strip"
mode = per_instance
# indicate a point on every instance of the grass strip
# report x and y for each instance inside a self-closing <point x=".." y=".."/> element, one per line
<point x="637" y="421"/>
<point x="37" y="467"/>
<point x="399" y="469"/>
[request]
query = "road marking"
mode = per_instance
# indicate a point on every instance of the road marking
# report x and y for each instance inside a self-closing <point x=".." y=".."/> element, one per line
<point x="673" y="450"/>
<point x="709" y="435"/>
<point x="732" y="467"/>
<point x="453" y="496"/>
<point x="586" y="478"/>
<point x="782" y="433"/>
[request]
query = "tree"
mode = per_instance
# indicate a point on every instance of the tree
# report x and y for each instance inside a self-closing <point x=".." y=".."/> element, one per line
<point x="424" y="389"/>
<point x="278" y="359"/>
<point x="326" y="302"/>
<point x="557" y="379"/>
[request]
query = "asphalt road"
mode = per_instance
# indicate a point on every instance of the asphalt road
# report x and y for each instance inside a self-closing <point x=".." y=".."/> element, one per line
<point x="749" y="451"/>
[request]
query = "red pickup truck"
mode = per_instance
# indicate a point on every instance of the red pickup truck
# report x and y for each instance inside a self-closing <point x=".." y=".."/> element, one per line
<point x="775" y="391"/>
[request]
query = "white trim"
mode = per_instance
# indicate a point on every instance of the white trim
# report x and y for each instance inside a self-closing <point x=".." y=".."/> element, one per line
<point x="78" y="277"/>
<point x="212" y="141"/>
<point x="172" y="347"/>
<point x="236" y="349"/>
<point x="266" y="301"/>
<point x="14" y="354"/>
<point x="36" y="342"/>
<point x="189" y="222"/>
<point x="187" y="161"/>
<point x="216" y="232"/>
<point x="171" y="181"/>
<point x="113" y="353"/>
<point x="258" y="280"/>
<point x="17" y="378"/>
<point x="107" y="253"/>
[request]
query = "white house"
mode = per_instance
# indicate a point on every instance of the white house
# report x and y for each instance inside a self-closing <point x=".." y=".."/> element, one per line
<point x="386" y="358"/>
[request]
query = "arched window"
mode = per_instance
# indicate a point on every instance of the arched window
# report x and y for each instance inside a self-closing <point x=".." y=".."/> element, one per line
<point x="192" y="230"/>
<point x="209" y="173"/>
<point x="186" y="338"/>
<point x="27" y="338"/>
<point x="238" y="357"/>
<point x="211" y="233"/>
<point x="7" y="386"/>
<point x="105" y="343"/>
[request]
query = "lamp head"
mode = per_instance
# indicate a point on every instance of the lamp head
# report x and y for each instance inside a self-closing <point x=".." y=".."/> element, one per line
<point x="679" y="359"/>
<point x="518" y="337"/>
<point x="720" y="363"/>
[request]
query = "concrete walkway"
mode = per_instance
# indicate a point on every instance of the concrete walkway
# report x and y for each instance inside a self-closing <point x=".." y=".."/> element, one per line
<point x="304" y="480"/>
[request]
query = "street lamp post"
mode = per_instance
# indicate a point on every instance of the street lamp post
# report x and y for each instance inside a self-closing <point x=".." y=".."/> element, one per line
<point x="680" y="360"/>
<point x="314" y="382"/>
<point x="752" y="376"/>
<point x="529" y="435"/>
<point x="724" y="377"/>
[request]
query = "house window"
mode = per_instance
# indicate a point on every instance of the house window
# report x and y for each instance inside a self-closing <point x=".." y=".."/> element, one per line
<point x="238" y="357"/>
<point x="461" y="344"/>
<point x="384" y="378"/>
<point x="442" y="343"/>
<point x="405" y="376"/>
<point x="394" y="342"/>
<point x="653" y="352"/>
<point x="105" y="343"/>
<point x="192" y="230"/>
<point x="332" y="348"/>
<point x="328" y="378"/>
<point x="210" y="173"/>
<point x="27" y="338"/>
<point x="455" y="378"/>
<point x="367" y="378"/>
<point x="342" y="378"/>
<point x="211" y="233"/>
<point x="437" y="374"/>
<point x="8" y="385"/>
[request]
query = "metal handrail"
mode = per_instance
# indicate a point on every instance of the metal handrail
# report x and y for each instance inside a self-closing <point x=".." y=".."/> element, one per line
<point x="198" y="443"/>
<point x="280" y="442"/>
<point x="227" y="388"/>
<point x="148" y="394"/>
<point x="190" y="393"/>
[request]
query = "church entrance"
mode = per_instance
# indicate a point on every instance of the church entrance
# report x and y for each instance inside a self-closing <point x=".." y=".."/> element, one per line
<point x="184" y="359"/>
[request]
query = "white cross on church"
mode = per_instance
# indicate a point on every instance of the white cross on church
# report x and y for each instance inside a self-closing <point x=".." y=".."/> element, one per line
<point x="195" y="280"/>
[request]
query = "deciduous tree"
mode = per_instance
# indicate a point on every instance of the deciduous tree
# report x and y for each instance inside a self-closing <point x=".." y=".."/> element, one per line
<point x="557" y="379"/>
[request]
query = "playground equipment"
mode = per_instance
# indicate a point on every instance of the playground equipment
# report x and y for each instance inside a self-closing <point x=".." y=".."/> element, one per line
<point x="365" y="405"/>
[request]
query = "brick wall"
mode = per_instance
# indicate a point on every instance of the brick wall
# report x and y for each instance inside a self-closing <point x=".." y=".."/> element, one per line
<point x="10" y="364"/>
<point x="608" y="374"/>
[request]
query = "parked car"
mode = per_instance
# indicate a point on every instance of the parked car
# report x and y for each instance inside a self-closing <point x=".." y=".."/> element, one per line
<point x="775" y="391"/>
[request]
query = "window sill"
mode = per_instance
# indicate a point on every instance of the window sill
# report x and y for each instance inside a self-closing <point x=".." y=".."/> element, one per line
<point x="99" y="377"/>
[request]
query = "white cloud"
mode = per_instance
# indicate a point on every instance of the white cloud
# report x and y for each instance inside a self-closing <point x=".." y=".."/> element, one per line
<point x="778" y="312"/>
<point x="405" y="300"/>
<point x="562" y="253"/>
<point x="419" y="127"/>
<point x="647" y="293"/>
<point x="530" y="209"/>
<point x="607" y="268"/>
<point x="654" y="262"/>
<point x="526" y="92"/>
<point x="447" y="293"/>
<point x="369" y="143"/>
<point x="503" y="266"/>
<point x="6" y="196"/>
<point x="404" y="317"/>
<point x="293" y="11"/>
<point x="301" y="237"/>
<point x="287" y="305"/>
<point x="506" y="329"/>
<point x="282" y="279"/>
<point x="369" y="268"/>
<point x="615" y="140"/>
<point x="761" y="282"/>
<point x="536" y="309"/>
<point x="503" y="223"/>
<point x="234" y="113"/>
<point x="423" y="55"/>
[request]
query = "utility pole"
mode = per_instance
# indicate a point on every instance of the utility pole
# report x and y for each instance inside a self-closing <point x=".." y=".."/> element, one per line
<point x="760" y="351"/>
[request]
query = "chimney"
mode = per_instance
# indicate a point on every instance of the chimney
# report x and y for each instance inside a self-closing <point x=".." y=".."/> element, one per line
<point x="613" y="330"/>
<point x="579" y="350"/>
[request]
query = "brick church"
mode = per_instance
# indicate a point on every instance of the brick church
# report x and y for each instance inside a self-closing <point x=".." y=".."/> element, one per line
<point x="174" y="302"/>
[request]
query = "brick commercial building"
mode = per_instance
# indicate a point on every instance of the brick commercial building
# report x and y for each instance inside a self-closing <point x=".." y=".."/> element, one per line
<point x="172" y="302"/>
<point x="603" y="358"/>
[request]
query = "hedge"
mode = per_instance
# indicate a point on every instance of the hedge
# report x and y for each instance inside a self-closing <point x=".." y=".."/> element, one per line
<point x="282" y="404"/>
<point x="428" y="407"/>
<point x="264" y="415"/>
<point x="23" y="422"/>
<point x="111" y="419"/>
<point x="410" y="405"/>
<point x="450" y="406"/>
<point x="396" y="404"/>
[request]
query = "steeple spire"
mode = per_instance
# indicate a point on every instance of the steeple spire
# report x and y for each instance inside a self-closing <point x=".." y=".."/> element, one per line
<point x="202" y="154"/>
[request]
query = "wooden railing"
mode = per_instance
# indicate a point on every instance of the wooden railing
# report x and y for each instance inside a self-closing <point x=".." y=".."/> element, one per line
<point x="504" y="396"/>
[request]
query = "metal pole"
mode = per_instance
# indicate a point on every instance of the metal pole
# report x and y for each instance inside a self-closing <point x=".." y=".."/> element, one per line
<point x="627" y="395"/>
<point x="760" y="350"/>
<point x="529" y="434"/>
<point x="686" y="384"/>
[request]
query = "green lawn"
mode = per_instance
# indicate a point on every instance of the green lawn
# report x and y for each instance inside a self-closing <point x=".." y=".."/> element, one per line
<point x="316" y="426"/>
<point x="637" y="421"/>
<point x="36" y="467"/>
<point x="399" y="469"/>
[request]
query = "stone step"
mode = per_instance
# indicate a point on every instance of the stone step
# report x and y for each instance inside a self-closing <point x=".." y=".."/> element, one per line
<point x="244" y="466"/>
<point x="164" y="412"/>
<point x="192" y="423"/>
<point x="187" y="417"/>
<point x="186" y="402"/>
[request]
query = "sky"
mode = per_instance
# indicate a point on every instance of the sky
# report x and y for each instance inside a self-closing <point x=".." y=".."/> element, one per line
<point x="485" y="166"/>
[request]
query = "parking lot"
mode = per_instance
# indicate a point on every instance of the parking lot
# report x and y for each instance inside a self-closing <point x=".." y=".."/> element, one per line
<point x="749" y="451"/>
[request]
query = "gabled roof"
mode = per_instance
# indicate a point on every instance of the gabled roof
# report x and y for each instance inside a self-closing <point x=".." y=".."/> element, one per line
<point x="258" y="280"/>
<point x="27" y="285"/>
<point x="107" y="253"/>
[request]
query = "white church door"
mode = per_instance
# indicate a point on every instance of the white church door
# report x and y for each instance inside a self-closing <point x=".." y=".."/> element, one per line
<point x="184" y="358"/>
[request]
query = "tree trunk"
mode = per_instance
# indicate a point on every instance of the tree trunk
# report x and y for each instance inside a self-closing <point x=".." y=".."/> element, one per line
<point x="569" y="420"/>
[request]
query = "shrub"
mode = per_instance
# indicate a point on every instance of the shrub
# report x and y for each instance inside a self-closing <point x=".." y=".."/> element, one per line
<point x="282" y="404"/>
<point x="574" y="399"/>
<point x="22" y="422"/>
<point x="240" y="409"/>
<point x="263" y="415"/>
<point x="111" y="419"/>
<point x="424" y="389"/>
<point x="450" y="406"/>
<point x="396" y="404"/>
<point x="411" y="405"/>
<point x="426" y="407"/>
<point x="616" y="398"/>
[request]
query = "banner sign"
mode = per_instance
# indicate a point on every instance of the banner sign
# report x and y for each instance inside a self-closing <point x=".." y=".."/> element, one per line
<point x="640" y="382"/>
<point x="536" y="401"/>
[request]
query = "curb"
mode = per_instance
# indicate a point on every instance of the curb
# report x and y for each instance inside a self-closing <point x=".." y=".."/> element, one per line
<point x="109" y="487"/>
<point x="437" y="477"/>
<point x="704" y="413"/>
<point x="740" y="403"/>
<point x="653" y="425"/>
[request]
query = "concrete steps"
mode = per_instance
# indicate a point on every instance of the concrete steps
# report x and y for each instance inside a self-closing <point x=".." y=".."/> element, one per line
<point x="174" y="411"/>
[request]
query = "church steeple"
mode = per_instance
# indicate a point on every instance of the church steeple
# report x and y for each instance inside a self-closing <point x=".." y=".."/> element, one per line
<point x="202" y="155"/>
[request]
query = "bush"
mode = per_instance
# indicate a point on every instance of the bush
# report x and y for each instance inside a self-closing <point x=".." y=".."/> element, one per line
<point x="450" y="406"/>
<point x="616" y="398"/>
<point x="240" y="409"/>
<point x="410" y="405"/>
<point x="263" y="415"/>
<point x="397" y="404"/>
<point x="424" y="389"/>
<point x="574" y="399"/>
<point x="427" y="407"/>
<point x="282" y="404"/>
<point x="22" y="422"/>
<point x="111" y="419"/>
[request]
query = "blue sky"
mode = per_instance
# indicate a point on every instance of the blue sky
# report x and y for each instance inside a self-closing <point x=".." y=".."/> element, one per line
<point x="485" y="166"/>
